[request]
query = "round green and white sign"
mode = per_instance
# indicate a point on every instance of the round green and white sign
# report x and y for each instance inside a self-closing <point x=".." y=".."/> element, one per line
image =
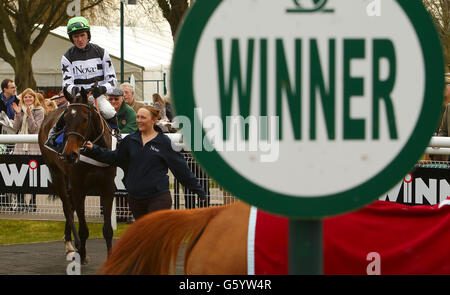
<point x="307" y="108"/>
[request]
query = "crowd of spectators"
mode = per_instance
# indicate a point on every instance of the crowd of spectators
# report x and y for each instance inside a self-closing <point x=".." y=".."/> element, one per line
<point x="120" y="109"/>
<point x="27" y="110"/>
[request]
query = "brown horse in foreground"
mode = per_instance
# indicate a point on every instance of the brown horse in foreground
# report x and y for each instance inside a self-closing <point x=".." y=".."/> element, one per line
<point x="406" y="239"/>
<point x="73" y="179"/>
<point x="151" y="244"/>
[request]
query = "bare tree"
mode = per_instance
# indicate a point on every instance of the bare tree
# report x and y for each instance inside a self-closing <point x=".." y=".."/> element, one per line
<point x="174" y="11"/>
<point x="145" y="14"/>
<point x="440" y="13"/>
<point x="106" y="13"/>
<point x="26" y="24"/>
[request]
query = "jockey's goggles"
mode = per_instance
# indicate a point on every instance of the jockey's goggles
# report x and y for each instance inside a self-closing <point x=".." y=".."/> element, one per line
<point x="72" y="28"/>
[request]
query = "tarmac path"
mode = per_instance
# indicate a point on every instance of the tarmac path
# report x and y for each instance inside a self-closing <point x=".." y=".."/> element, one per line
<point x="49" y="259"/>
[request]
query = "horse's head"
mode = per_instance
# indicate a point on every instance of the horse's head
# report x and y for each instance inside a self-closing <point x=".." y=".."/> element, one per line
<point x="77" y="119"/>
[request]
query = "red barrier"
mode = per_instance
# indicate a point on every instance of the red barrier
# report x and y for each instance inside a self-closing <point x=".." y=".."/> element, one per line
<point x="384" y="237"/>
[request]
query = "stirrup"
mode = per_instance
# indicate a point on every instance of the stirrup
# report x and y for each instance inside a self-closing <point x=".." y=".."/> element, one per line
<point x="52" y="147"/>
<point x="51" y="142"/>
<point x="54" y="133"/>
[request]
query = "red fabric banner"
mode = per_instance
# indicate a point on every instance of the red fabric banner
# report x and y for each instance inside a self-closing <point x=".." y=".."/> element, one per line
<point x="387" y="237"/>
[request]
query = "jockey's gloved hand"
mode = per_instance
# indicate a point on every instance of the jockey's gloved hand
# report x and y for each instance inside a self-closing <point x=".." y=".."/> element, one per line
<point x="98" y="90"/>
<point x="75" y="91"/>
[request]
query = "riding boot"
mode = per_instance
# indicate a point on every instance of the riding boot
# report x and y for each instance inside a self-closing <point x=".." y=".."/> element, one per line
<point x="114" y="124"/>
<point x="53" y="135"/>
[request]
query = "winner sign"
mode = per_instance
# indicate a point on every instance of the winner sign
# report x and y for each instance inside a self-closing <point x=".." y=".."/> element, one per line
<point x="283" y="96"/>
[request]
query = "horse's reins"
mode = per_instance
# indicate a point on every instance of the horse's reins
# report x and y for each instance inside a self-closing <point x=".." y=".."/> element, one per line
<point x="84" y="138"/>
<point x="98" y="111"/>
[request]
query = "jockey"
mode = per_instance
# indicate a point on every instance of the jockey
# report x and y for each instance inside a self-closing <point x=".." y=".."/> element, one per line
<point x="83" y="65"/>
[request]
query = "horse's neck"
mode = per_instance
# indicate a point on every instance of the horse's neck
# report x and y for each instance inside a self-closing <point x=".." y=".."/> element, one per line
<point x="96" y="130"/>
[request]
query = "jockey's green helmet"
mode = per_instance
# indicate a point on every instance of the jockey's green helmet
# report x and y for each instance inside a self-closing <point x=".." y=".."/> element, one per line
<point x="77" y="25"/>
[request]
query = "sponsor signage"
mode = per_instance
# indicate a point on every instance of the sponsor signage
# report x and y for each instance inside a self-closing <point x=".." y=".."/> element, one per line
<point x="424" y="186"/>
<point x="28" y="174"/>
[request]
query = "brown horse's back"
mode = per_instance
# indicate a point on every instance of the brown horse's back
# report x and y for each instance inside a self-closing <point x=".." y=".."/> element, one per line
<point x="150" y="245"/>
<point x="222" y="248"/>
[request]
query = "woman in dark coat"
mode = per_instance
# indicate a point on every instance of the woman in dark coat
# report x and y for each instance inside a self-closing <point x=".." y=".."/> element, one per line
<point x="145" y="156"/>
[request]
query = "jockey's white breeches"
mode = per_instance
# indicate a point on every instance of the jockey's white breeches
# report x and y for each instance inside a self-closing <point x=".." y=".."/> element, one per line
<point x="106" y="109"/>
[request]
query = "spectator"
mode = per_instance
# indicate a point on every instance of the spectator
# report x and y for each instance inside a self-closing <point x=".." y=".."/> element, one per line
<point x="445" y="117"/>
<point x="61" y="102"/>
<point x="41" y="99"/>
<point x="145" y="157"/>
<point x="126" y="116"/>
<point x="29" y="115"/>
<point x="128" y="95"/>
<point x="8" y="98"/>
<point x="164" y="122"/>
<point x="445" y="121"/>
<point x="51" y="105"/>
<point x="169" y="110"/>
<point x="160" y="104"/>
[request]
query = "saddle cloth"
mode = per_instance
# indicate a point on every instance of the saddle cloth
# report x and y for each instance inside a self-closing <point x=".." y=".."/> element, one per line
<point x="407" y="240"/>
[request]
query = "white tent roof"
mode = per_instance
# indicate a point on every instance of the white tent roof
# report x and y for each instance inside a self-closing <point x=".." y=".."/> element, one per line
<point x="142" y="47"/>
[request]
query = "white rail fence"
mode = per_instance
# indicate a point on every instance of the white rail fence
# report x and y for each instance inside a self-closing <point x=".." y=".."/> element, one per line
<point x="44" y="206"/>
<point x="439" y="146"/>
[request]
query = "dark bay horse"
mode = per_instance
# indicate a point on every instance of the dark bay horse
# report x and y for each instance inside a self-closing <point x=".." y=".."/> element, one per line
<point x="73" y="179"/>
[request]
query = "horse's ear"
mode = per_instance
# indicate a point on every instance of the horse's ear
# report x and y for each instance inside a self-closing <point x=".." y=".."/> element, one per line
<point x="84" y="95"/>
<point x="67" y="95"/>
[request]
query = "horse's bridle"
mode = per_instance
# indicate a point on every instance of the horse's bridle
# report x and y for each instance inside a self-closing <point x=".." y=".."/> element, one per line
<point x="84" y="137"/>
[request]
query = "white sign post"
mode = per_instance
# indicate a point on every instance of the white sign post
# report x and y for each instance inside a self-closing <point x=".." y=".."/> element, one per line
<point x="278" y="96"/>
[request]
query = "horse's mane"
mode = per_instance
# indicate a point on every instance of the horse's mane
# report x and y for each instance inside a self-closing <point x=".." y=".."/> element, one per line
<point x="151" y="244"/>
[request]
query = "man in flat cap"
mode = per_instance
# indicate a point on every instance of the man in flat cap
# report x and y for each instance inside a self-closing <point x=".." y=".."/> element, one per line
<point x="126" y="117"/>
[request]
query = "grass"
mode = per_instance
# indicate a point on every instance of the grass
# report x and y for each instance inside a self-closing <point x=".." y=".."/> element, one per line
<point x="30" y="231"/>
